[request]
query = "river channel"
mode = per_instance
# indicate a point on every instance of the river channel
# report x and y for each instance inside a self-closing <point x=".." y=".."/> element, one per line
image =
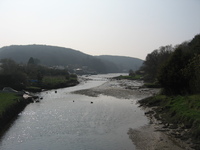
<point x="64" y="120"/>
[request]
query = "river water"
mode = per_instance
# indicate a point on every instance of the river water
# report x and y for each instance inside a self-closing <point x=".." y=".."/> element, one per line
<point x="67" y="121"/>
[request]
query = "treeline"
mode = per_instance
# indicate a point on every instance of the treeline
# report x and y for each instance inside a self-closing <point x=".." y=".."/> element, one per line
<point x="30" y="75"/>
<point x="176" y="69"/>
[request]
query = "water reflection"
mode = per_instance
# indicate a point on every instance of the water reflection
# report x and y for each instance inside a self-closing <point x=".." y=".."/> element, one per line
<point x="64" y="120"/>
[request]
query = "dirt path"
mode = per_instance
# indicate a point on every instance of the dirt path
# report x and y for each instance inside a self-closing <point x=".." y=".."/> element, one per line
<point x="148" y="137"/>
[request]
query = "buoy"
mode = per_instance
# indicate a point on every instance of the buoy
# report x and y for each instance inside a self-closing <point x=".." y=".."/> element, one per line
<point x="91" y="102"/>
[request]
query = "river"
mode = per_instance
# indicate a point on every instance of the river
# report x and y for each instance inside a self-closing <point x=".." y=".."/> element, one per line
<point x="64" y="120"/>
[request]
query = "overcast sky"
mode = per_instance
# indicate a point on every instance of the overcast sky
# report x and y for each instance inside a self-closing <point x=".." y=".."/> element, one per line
<point x="97" y="27"/>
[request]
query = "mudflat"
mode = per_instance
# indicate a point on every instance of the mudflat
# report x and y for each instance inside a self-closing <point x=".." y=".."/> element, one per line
<point x="148" y="137"/>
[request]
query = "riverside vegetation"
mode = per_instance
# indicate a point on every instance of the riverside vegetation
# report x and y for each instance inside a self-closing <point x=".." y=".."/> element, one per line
<point x="10" y="105"/>
<point x="177" y="71"/>
<point x="31" y="77"/>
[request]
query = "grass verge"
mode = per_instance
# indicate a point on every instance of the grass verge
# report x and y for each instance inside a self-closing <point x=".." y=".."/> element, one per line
<point x="7" y="100"/>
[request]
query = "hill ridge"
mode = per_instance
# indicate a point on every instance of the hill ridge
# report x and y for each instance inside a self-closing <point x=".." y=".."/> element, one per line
<point x="61" y="56"/>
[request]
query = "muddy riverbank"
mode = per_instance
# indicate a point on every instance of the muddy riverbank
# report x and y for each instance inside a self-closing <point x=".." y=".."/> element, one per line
<point x="121" y="89"/>
<point x="96" y="114"/>
<point x="63" y="120"/>
<point x="149" y="137"/>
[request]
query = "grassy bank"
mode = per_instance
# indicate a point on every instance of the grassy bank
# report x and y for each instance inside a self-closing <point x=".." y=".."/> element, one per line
<point x="7" y="100"/>
<point x="181" y="111"/>
<point x="53" y="82"/>
<point x="10" y="106"/>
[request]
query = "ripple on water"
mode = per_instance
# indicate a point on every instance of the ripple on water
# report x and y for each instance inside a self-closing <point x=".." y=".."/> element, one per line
<point x="59" y="123"/>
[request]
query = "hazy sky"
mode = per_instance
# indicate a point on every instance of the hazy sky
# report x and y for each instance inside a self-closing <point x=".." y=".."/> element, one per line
<point x="97" y="27"/>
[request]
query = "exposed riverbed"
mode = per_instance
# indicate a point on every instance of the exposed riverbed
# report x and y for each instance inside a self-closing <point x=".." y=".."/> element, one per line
<point x="97" y="114"/>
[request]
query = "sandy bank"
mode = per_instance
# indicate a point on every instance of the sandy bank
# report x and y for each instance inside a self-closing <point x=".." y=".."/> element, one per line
<point x="149" y="137"/>
<point x="120" y="89"/>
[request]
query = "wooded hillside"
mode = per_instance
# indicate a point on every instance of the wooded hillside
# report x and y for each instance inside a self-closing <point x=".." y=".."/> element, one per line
<point x="60" y="56"/>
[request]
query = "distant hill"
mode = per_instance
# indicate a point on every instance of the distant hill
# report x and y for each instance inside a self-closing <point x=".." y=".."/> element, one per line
<point x="123" y="63"/>
<point x="60" y="56"/>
